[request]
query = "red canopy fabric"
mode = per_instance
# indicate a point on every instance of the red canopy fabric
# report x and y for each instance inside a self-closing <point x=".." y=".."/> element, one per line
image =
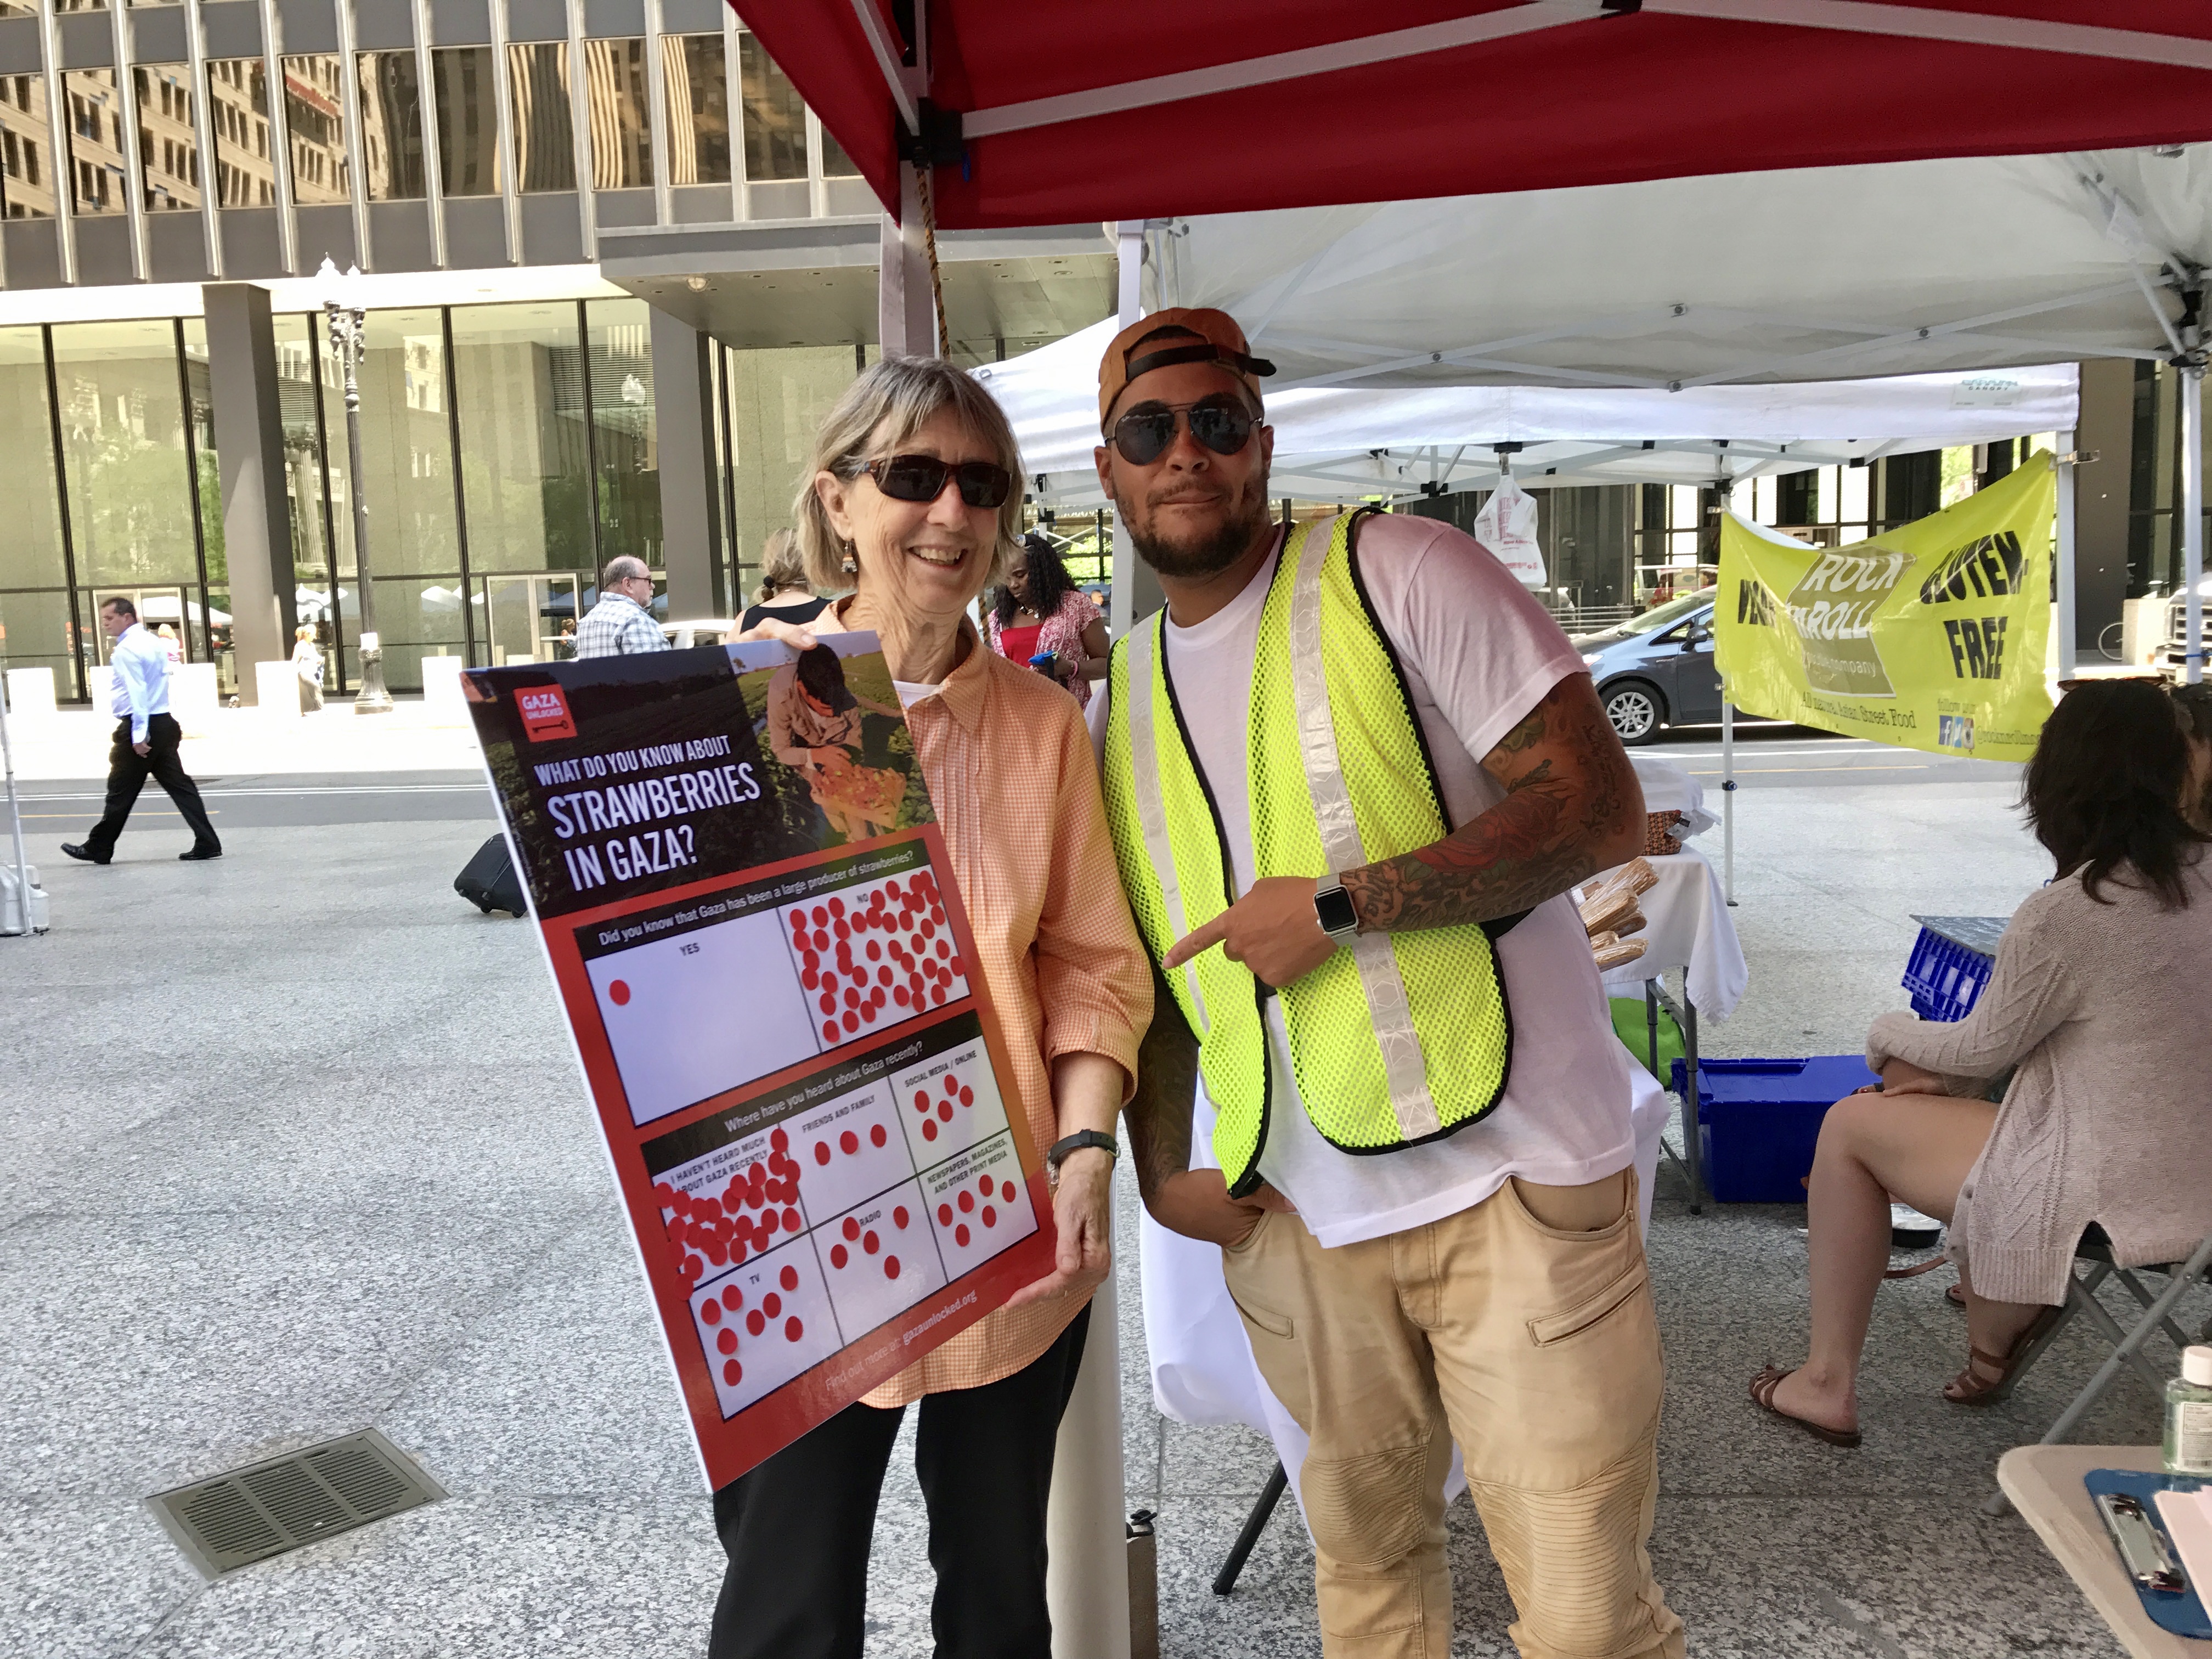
<point x="1567" y="93"/>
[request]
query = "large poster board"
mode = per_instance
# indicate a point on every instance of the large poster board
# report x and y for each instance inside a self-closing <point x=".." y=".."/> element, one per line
<point x="770" y="980"/>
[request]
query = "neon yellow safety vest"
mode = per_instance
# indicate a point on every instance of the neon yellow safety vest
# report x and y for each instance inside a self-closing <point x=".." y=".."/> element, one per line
<point x="1399" y="1039"/>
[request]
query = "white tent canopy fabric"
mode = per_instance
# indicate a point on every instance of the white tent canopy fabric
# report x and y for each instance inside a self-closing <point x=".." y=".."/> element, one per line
<point x="1672" y="284"/>
<point x="1379" y="440"/>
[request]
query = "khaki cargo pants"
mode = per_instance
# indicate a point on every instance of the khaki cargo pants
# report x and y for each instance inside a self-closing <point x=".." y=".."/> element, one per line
<point x="1536" y="1349"/>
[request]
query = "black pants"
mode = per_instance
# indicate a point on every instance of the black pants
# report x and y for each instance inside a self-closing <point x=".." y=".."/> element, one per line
<point x="127" y="772"/>
<point x="798" y="1526"/>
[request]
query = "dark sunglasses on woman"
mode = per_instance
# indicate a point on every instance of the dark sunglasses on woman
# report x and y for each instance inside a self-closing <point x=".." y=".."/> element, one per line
<point x="1143" y="435"/>
<point x="921" y="478"/>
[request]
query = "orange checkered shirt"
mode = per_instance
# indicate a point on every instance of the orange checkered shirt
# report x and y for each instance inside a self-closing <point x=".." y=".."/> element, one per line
<point x="1011" y="770"/>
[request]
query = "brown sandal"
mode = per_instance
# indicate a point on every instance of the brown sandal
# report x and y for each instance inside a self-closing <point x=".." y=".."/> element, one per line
<point x="1762" y="1396"/>
<point x="1971" y="1388"/>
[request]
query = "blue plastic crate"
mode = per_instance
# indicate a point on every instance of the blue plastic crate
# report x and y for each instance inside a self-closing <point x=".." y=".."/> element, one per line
<point x="1758" y="1120"/>
<point x="1951" y="962"/>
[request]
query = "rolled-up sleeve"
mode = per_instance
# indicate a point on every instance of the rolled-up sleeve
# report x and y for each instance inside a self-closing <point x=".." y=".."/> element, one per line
<point x="1094" y="982"/>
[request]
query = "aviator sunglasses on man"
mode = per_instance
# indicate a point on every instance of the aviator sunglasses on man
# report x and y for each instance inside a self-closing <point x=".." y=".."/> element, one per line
<point x="1221" y="423"/>
<point x="921" y="478"/>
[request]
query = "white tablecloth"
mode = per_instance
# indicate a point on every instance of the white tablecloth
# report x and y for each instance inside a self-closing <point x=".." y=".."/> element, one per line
<point x="1686" y="926"/>
<point x="1202" y="1366"/>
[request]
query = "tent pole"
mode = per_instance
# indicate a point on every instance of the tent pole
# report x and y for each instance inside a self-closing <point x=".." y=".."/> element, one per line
<point x="15" y="824"/>
<point x="1728" y="798"/>
<point x="1129" y="245"/>
<point x="2064" y="619"/>
<point x="2192" y="521"/>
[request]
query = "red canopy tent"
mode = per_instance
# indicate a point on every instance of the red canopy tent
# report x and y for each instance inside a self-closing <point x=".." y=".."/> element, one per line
<point x="1071" y="111"/>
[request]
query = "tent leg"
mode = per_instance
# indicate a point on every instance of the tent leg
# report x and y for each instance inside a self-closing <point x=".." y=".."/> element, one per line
<point x="2192" y="522"/>
<point x="1123" y="606"/>
<point x="1728" y="801"/>
<point x="16" y="825"/>
<point x="906" y="312"/>
<point x="2062" y="618"/>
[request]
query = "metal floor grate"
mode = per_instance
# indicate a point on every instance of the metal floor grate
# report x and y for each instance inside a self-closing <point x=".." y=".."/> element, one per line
<point x="266" y="1508"/>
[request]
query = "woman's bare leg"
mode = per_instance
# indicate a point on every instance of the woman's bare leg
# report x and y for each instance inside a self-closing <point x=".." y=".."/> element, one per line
<point x="1993" y="1327"/>
<point x="1917" y="1147"/>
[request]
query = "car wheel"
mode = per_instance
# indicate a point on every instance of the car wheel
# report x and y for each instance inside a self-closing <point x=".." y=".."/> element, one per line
<point x="1633" y="708"/>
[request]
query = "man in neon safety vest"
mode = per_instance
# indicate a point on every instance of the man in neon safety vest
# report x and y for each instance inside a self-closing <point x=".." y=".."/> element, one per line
<point x="1350" y="773"/>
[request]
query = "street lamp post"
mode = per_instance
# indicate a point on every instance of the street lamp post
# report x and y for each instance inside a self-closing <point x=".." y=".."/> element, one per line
<point x="347" y="320"/>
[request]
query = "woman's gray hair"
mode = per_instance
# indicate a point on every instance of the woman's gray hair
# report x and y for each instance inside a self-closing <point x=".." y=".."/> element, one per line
<point x="897" y="398"/>
<point x="782" y="567"/>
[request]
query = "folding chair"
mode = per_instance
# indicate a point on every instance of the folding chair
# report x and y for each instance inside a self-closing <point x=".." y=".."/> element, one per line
<point x="2096" y="1249"/>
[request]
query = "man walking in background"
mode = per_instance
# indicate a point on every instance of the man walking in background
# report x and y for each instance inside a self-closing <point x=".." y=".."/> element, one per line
<point x="621" y="624"/>
<point x="146" y="739"/>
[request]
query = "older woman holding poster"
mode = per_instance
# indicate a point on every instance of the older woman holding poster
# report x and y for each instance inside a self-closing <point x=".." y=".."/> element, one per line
<point x="913" y="500"/>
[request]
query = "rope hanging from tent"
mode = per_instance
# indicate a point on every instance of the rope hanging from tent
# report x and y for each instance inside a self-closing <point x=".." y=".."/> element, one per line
<point x="929" y="247"/>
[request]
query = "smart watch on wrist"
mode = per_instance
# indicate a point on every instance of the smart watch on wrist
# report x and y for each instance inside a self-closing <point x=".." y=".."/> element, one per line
<point x="1333" y="910"/>
<point x="1076" y="1143"/>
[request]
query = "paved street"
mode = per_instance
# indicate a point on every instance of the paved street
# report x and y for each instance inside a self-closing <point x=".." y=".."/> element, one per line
<point x="297" y="1148"/>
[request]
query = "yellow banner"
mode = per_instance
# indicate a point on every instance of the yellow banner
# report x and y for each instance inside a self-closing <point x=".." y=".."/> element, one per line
<point x="1930" y="636"/>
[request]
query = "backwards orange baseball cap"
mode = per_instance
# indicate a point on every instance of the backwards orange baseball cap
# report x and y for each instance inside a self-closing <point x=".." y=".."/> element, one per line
<point x="1180" y="335"/>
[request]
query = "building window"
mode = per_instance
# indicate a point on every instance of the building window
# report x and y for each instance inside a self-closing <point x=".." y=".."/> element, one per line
<point x="95" y="121"/>
<point x="695" y="76"/>
<point x="130" y="495"/>
<point x="238" y="110"/>
<point x="625" y="435"/>
<point x="467" y="121"/>
<point x="775" y="119"/>
<point x="392" y="126"/>
<point x="26" y="183"/>
<point x="836" y="164"/>
<point x="314" y="116"/>
<point x="544" y="139"/>
<point x="621" y="141"/>
<point x="526" y="472"/>
<point x="168" y="149"/>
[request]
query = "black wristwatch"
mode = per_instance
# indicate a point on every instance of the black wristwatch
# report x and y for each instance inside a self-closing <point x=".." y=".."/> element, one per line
<point x="1076" y="1143"/>
<point x="1333" y="910"/>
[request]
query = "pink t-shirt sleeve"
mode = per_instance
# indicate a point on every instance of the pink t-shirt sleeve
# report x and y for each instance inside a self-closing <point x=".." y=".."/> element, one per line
<point x="1467" y="631"/>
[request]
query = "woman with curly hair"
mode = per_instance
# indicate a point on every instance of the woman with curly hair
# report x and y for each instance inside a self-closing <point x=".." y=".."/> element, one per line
<point x="2097" y="999"/>
<point x="1040" y="609"/>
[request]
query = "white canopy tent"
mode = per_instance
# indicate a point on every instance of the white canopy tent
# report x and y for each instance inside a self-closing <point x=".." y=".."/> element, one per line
<point x="1410" y="441"/>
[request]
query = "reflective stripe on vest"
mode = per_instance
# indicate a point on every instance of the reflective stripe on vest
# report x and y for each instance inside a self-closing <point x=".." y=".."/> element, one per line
<point x="1401" y="1039"/>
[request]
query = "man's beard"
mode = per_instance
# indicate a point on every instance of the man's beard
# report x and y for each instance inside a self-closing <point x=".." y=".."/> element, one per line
<point x="1209" y="552"/>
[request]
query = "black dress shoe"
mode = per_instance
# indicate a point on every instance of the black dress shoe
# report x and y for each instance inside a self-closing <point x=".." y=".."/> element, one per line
<point x="84" y="853"/>
<point x="199" y="853"/>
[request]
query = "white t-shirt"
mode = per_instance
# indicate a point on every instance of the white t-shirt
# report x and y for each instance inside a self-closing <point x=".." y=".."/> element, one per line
<point x="1479" y="652"/>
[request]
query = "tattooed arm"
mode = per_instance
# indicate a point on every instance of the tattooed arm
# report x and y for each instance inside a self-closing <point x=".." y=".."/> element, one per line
<point x="1193" y="1202"/>
<point x="1572" y="806"/>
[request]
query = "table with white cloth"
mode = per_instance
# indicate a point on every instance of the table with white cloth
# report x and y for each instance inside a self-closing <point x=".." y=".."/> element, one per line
<point x="1203" y="1371"/>
<point x="1686" y="929"/>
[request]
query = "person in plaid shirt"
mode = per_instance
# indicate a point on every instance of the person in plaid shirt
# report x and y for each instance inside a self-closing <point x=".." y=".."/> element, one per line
<point x="621" y="623"/>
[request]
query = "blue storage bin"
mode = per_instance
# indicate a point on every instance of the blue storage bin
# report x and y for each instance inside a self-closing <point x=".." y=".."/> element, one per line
<point x="1951" y="962"/>
<point x="1758" y="1120"/>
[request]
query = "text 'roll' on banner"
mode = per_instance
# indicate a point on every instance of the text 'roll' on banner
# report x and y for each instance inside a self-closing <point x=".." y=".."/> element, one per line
<point x="1929" y="636"/>
<point x="744" y="893"/>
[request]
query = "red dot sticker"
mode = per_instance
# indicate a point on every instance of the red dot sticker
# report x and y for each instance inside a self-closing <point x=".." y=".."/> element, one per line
<point x="899" y="1217"/>
<point x="768" y="1222"/>
<point x="984" y="1185"/>
<point x="920" y="1101"/>
<point x="875" y="952"/>
<point x="929" y="1128"/>
<point x="690" y="1267"/>
<point x="837" y="1257"/>
<point x="870" y="1242"/>
<point x="828" y="1003"/>
<point x="966" y="1202"/>
<point x="990" y="1217"/>
<point x="891" y="1267"/>
<point x="829" y="1030"/>
<point x="732" y="1297"/>
<point x="791" y="1221"/>
<point x="959" y="970"/>
<point x="878" y="1134"/>
<point x="944" y="1106"/>
<point x="792" y="1330"/>
<point x="711" y="1311"/>
<point x="849" y="1143"/>
<point x="938" y="995"/>
<point x="799" y="918"/>
<point x="821" y="915"/>
<point x="836" y="907"/>
<point x="788" y="1278"/>
<point x="728" y="1341"/>
<point x="821" y="938"/>
<point x="967" y="1095"/>
<point x="810" y="979"/>
<point x="900" y="995"/>
<point x="944" y="1215"/>
<point x="821" y="1152"/>
<point x="852" y="1228"/>
<point x="853" y="1020"/>
<point x="771" y="1304"/>
<point x="882" y="978"/>
<point x="618" y="993"/>
<point x="757" y="1321"/>
<point x="960" y="1234"/>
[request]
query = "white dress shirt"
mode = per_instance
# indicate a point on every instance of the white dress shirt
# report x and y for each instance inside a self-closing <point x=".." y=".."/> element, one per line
<point x="141" y="662"/>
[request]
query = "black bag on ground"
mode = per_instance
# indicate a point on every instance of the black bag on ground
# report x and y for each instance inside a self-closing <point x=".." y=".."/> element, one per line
<point x="489" y="883"/>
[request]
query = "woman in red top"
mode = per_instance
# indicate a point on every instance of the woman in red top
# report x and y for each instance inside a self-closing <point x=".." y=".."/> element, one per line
<point x="1039" y="609"/>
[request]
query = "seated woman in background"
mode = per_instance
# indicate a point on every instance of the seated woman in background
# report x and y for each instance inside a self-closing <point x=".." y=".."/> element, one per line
<point x="1039" y="609"/>
<point x="785" y="593"/>
<point x="2097" y="998"/>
